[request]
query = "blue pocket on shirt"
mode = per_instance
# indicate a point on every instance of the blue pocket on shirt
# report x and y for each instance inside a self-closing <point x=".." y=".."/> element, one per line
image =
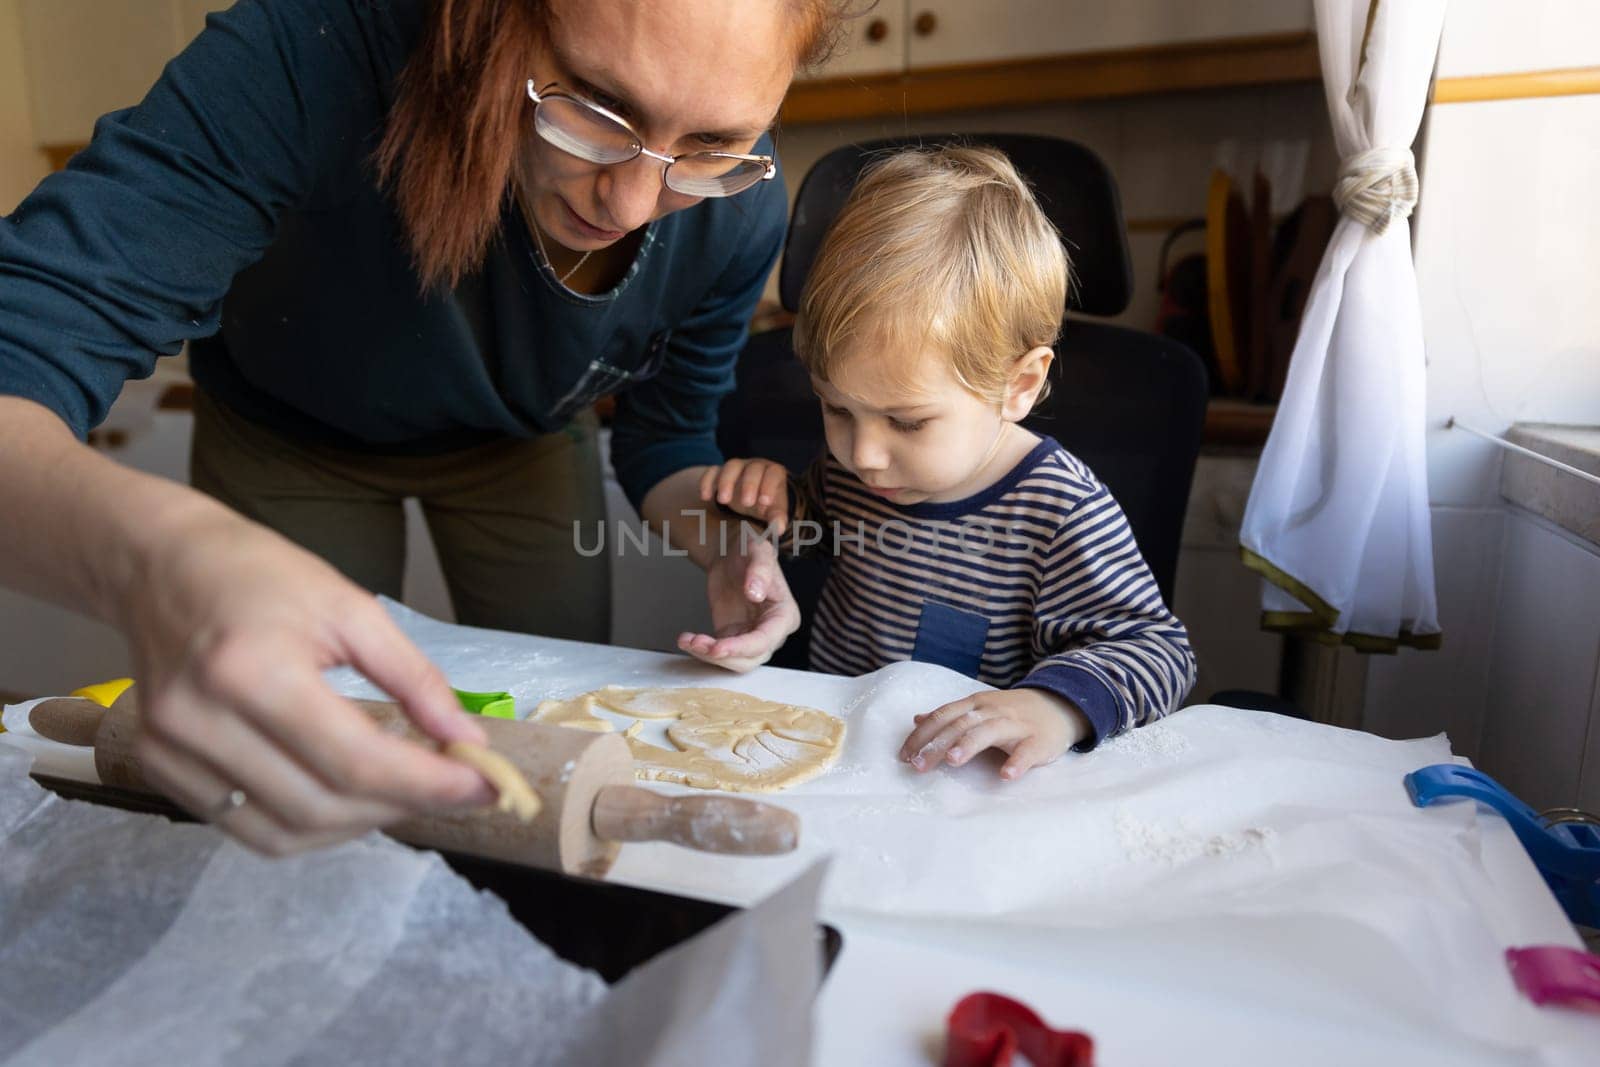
<point x="951" y="638"/>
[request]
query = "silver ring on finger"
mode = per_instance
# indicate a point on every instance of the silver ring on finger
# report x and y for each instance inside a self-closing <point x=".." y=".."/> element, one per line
<point x="235" y="800"/>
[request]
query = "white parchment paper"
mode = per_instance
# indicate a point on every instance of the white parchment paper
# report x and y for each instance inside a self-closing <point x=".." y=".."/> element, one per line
<point x="1296" y="838"/>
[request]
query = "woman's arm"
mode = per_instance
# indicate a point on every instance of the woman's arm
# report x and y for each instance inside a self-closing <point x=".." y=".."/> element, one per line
<point x="230" y="628"/>
<point x="122" y="258"/>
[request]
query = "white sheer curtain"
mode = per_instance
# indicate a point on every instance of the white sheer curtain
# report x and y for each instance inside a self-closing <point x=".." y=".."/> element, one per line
<point x="1338" y="515"/>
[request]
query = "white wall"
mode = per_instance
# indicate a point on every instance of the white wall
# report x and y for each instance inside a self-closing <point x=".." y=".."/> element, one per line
<point x="1506" y="36"/>
<point x="1505" y="240"/>
<point x="1506" y="244"/>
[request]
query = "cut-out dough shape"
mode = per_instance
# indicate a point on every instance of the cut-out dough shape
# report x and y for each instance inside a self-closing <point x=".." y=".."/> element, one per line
<point x="577" y="713"/>
<point x="725" y="739"/>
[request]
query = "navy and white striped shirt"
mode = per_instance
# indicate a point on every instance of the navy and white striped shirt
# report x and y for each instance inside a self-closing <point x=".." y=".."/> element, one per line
<point x="1035" y="581"/>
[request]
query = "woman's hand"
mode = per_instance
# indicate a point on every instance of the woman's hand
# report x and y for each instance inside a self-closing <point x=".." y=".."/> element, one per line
<point x="752" y="610"/>
<point x="231" y="627"/>
<point x="754" y="488"/>
<point x="1032" y="726"/>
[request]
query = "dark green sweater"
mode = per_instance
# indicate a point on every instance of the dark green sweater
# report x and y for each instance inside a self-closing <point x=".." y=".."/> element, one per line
<point x="235" y="208"/>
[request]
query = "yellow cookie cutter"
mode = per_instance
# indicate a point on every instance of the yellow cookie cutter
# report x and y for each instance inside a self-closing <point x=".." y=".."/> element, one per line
<point x="104" y="693"/>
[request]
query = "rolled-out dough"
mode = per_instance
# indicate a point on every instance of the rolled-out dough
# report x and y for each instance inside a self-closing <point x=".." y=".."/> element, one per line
<point x="725" y="739"/>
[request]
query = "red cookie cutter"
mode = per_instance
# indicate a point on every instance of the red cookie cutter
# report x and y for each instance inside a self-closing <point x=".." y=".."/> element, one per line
<point x="987" y="1030"/>
<point x="1556" y="974"/>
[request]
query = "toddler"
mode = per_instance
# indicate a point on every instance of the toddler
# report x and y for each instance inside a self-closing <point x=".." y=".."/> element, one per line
<point x="958" y="537"/>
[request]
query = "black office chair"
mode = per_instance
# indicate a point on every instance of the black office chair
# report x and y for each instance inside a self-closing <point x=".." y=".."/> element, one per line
<point x="1128" y="403"/>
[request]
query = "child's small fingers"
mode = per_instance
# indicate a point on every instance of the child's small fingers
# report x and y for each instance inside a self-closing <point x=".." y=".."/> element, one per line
<point x="698" y="644"/>
<point x="728" y="469"/>
<point x="774" y="484"/>
<point x="929" y="725"/>
<point x="728" y="479"/>
<point x="933" y="752"/>
<point x="1026" y="756"/>
<point x="737" y="645"/>
<point x="750" y="485"/>
<point x="708" y="483"/>
<point x="946" y="712"/>
<point x="990" y="733"/>
<point x="741" y="652"/>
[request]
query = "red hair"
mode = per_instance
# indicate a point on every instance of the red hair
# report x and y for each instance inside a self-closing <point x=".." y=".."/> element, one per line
<point x="460" y="116"/>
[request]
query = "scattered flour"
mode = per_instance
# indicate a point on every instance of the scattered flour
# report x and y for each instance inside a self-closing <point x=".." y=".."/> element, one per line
<point x="859" y="699"/>
<point x="1179" y="844"/>
<point x="1156" y="743"/>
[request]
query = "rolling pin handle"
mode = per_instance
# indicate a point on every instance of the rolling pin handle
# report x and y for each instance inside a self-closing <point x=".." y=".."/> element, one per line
<point x="67" y="720"/>
<point x="731" y="825"/>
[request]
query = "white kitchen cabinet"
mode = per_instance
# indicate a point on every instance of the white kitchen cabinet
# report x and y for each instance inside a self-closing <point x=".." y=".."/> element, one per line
<point x="948" y="32"/>
<point x="871" y="43"/>
<point x="909" y="35"/>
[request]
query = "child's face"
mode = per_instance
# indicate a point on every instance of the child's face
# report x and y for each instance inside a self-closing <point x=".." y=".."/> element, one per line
<point x="912" y="434"/>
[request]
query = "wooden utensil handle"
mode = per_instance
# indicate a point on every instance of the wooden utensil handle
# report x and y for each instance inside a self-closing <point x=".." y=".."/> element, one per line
<point x="67" y="720"/>
<point x="732" y="825"/>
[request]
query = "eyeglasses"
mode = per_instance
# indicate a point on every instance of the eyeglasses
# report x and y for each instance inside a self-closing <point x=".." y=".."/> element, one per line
<point x="592" y="133"/>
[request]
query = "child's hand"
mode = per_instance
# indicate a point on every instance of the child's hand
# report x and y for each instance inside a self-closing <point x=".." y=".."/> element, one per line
<point x="752" y="610"/>
<point x="1033" y="726"/>
<point x="754" y="488"/>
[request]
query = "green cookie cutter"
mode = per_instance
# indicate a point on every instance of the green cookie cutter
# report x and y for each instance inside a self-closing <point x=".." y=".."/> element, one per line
<point x="494" y="705"/>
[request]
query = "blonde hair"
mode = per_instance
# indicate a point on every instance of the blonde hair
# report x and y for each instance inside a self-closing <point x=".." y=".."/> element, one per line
<point x="942" y="247"/>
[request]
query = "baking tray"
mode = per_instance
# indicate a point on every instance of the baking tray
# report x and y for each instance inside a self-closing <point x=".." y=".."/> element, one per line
<point x="608" y="928"/>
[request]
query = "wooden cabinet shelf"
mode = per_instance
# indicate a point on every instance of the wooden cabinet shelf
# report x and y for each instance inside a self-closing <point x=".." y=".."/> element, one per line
<point x="1237" y="424"/>
<point x="1267" y="60"/>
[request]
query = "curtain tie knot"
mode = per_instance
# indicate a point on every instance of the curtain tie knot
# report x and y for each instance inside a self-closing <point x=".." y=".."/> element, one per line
<point x="1377" y="186"/>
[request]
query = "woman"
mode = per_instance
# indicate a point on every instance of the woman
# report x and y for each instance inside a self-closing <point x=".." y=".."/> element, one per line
<point x="411" y="243"/>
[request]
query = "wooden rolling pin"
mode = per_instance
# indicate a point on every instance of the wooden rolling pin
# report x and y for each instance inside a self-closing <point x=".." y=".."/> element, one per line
<point x="584" y="779"/>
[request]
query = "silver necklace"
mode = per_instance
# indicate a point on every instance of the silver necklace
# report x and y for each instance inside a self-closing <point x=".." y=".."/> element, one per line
<point x="539" y="240"/>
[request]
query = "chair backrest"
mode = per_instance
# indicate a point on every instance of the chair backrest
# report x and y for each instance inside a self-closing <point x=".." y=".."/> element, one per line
<point x="1130" y="404"/>
<point x="1072" y="184"/>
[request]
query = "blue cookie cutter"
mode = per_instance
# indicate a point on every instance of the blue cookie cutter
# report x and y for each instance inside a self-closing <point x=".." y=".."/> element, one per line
<point x="1564" y="844"/>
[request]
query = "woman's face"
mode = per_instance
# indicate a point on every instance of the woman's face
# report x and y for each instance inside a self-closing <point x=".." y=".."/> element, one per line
<point x="688" y="75"/>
